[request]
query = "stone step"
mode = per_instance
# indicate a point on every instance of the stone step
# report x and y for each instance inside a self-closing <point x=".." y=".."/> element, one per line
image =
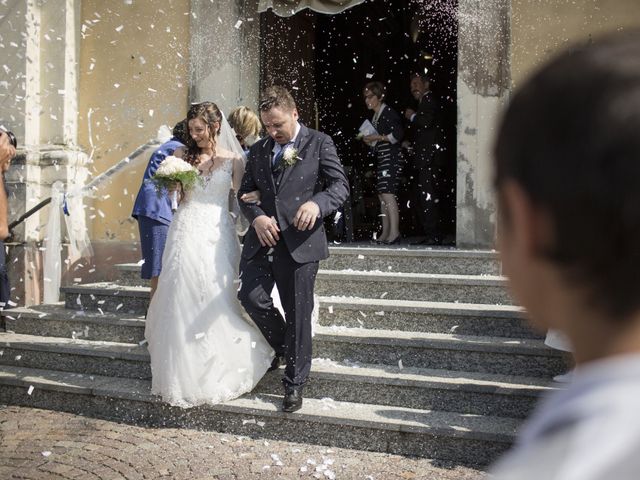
<point x="463" y="438"/>
<point x="129" y="274"/>
<point x="464" y="319"/>
<point x="364" y="258"/>
<point x="107" y="297"/>
<point x="54" y="320"/>
<point x="418" y="316"/>
<point x="465" y="392"/>
<point x="485" y="290"/>
<point x="413" y="260"/>
<point x="469" y="392"/>
<point x="414" y="286"/>
<point x="112" y="359"/>
<point x="497" y="355"/>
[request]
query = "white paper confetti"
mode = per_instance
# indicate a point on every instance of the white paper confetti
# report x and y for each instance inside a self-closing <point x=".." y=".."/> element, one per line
<point x="30" y="391"/>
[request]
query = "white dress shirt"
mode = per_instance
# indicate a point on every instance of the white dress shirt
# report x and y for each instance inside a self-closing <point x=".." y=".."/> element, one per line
<point x="277" y="147"/>
<point x="590" y="431"/>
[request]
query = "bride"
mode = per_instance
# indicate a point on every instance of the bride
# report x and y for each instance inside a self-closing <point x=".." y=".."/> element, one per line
<point x="202" y="348"/>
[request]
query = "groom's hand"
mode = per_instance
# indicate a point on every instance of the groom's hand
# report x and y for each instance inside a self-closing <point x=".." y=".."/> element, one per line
<point x="267" y="230"/>
<point x="306" y="216"/>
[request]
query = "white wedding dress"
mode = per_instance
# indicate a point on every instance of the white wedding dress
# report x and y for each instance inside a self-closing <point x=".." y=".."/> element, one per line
<point x="203" y="348"/>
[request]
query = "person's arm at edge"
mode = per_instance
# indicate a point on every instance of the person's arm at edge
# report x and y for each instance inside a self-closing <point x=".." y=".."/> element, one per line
<point x="248" y="184"/>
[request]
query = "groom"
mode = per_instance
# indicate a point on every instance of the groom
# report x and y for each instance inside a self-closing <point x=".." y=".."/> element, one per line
<point x="301" y="180"/>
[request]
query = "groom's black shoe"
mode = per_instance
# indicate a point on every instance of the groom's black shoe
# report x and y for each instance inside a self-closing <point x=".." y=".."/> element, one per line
<point x="292" y="399"/>
<point x="275" y="364"/>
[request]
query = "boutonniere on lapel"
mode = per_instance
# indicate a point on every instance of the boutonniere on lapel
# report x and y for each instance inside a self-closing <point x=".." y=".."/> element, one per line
<point x="290" y="157"/>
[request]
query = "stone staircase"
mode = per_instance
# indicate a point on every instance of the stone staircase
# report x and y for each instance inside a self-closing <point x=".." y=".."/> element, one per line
<point x="436" y="364"/>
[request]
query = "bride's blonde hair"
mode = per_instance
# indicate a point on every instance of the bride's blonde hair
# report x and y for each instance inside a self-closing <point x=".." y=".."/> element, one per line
<point x="210" y="114"/>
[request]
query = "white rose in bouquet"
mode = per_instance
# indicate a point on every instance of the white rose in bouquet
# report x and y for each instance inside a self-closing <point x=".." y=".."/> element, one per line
<point x="172" y="171"/>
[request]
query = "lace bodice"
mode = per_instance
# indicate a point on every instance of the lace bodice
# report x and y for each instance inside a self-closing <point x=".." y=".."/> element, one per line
<point x="215" y="185"/>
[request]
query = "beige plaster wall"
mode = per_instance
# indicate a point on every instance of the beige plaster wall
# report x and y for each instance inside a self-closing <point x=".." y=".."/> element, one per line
<point x="540" y="27"/>
<point x="134" y="77"/>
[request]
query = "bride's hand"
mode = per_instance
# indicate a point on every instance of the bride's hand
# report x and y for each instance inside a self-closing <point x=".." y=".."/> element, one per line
<point x="251" y="197"/>
<point x="176" y="187"/>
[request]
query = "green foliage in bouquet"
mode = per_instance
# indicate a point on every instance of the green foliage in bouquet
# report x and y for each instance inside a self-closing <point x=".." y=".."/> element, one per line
<point x="188" y="180"/>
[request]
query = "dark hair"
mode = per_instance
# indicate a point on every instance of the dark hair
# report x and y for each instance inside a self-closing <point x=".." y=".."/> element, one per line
<point x="209" y="113"/>
<point x="571" y="139"/>
<point x="377" y="88"/>
<point x="425" y="76"/>
<point x="276" y="96"/>
<point x="180" y="132"/>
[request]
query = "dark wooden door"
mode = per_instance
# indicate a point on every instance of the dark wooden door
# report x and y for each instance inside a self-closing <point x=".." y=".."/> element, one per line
<point x="287" y="54"/>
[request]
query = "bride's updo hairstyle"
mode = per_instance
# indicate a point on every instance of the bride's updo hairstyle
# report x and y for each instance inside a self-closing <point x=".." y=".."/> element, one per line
<point x="210" y="114"/>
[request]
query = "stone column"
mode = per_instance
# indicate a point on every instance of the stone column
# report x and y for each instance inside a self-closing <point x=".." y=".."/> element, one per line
<point x="38" y="101"/>
<point x="225" y="52"/>
<point x="483" y="87"/>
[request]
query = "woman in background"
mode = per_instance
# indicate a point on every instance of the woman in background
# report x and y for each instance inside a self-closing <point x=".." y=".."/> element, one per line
<point x="246" y="124"/>
<point x="153" y="211"/>
<point x="386" y="146"/>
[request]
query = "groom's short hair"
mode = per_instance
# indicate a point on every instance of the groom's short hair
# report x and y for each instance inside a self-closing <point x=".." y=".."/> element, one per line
<point x="571" y="140"/>
<point x="276" y="96"/>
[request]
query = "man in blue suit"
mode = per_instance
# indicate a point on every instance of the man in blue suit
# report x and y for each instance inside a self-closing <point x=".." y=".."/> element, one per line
<point x="153" y="211"/>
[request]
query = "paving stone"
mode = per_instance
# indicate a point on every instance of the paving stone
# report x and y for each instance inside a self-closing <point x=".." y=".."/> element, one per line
<point x="227" y="457"/>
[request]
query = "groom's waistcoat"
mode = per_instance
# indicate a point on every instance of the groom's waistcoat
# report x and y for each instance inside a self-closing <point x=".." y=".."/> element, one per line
<point x="316" y="175"/>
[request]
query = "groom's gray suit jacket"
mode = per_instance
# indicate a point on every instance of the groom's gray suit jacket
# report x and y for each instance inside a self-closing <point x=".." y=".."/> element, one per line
<point x="317" y="175"/>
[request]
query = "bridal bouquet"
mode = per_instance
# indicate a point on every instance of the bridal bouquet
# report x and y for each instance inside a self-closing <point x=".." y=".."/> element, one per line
<point x="172" y="171"/>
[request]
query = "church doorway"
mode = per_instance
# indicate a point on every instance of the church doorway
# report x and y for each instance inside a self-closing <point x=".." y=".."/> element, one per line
<point x="325" y="60"/>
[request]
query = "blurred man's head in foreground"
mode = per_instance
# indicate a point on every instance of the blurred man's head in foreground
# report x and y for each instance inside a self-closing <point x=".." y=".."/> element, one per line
<point x="568" y="179"/>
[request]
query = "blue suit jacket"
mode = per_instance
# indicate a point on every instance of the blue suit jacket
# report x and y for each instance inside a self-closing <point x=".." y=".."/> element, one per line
<point x="148" y="203"/>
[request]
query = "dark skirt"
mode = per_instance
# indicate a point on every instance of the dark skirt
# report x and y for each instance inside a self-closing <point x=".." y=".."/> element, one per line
<point x="389" y="164"/>
<point x="5" y="288"/>
<point x="153" y="236"/>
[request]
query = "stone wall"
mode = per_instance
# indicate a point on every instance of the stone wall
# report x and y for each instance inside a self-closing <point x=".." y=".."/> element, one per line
<point x="483" y="87"/>
<point x="225" y="52"/>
